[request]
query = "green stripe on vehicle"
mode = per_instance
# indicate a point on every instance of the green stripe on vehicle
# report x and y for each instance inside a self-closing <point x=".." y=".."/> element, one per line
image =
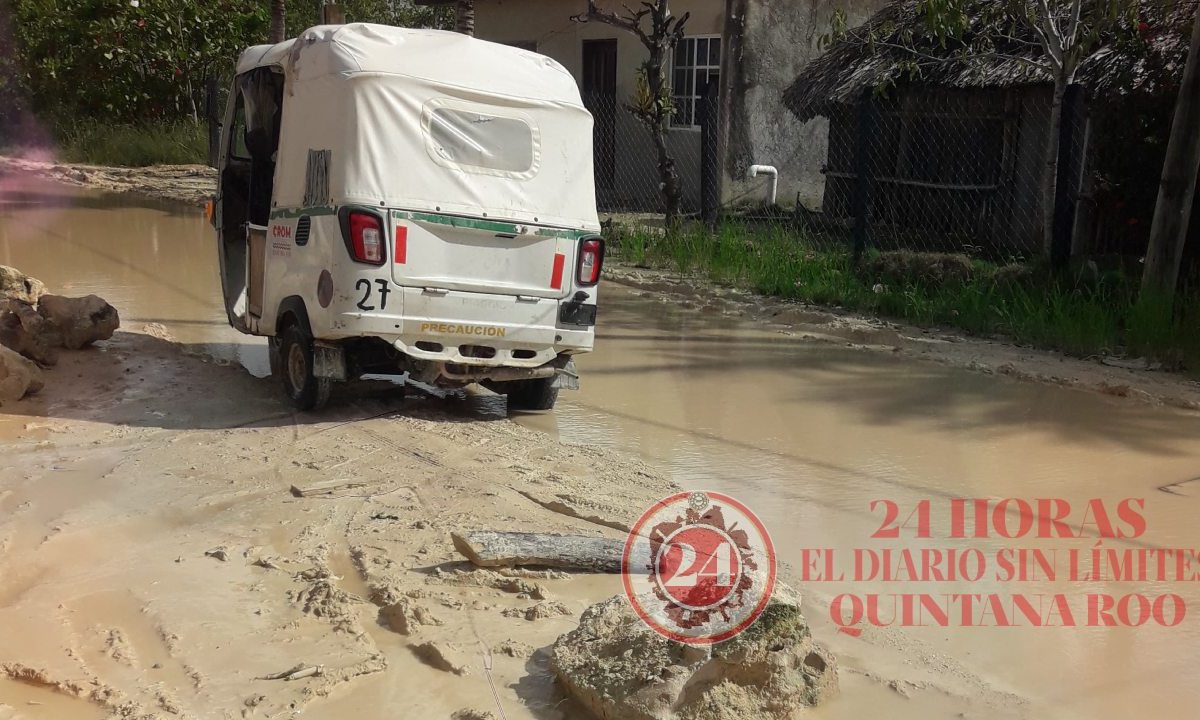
<point x="503" y="228"/>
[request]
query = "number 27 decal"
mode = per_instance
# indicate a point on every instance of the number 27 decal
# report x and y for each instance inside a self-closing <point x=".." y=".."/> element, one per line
<point x="364" y="286"/>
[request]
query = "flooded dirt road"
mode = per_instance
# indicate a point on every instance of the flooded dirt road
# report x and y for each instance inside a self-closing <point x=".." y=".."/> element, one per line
<point x="808" y="435"/>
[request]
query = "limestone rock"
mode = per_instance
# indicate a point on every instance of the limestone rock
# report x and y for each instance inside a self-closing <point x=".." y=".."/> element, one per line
<point x="24" y="330"/>
<point x="81" y="321"/>
<point x="18" y="376"/>
<point x="16" y="285"/>
<point x="617" y="667"/>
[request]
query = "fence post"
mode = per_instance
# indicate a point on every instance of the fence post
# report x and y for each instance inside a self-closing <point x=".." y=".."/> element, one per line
<point x="710" y="155"/>
<point x="863" y="142"/>
<point x="213" y="115"/>
<point x="332" y="13"/>
<point x="1070" y="168"/>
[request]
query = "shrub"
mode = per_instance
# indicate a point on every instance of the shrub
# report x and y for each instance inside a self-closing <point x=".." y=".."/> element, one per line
<point x="900" y="267"/>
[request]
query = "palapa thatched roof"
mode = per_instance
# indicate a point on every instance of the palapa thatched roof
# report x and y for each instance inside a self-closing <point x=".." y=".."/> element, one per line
<point x="904" y="53"/>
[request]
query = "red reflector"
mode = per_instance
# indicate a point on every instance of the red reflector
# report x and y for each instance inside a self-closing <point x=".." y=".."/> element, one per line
<point x="401" y="244"/>
<point x="366" y="238"/>
<point x="556" y="276"/>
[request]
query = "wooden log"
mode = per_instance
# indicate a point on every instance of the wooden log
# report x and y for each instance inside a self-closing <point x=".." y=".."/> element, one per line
<point x="486" y="548"/>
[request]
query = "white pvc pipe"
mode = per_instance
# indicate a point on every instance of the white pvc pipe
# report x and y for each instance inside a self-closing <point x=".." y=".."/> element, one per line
<point x="756" y="170"/>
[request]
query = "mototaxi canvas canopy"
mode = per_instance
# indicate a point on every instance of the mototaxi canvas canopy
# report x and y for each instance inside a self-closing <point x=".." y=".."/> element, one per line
<point x="432" y="121"/>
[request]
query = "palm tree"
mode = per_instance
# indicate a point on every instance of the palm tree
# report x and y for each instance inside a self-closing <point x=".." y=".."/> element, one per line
<point x="464" y="17"/>
<point x="278" y="28"/>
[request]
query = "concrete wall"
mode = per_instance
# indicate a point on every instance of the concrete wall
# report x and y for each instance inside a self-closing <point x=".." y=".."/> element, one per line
<point x="766" y="45"/>
<point x="778" y="38"/>
<point x="548" y="25"/>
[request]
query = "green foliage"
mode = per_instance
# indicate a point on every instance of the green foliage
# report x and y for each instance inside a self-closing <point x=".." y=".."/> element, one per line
<point x="179" y="143"/>
<point x="644" y="103"/>
<point x="146" y="61"/>
<point x="1025" y="304"/>
<point x="129" y="60"/>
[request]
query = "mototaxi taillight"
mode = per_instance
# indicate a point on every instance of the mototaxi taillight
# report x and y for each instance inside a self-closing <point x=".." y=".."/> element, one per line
<point x="366" y="238"/>
<point x="591" y="259"/>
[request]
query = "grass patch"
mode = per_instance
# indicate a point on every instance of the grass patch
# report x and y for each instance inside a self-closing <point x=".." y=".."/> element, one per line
<point x="97" y="143"/>
<point x="1081" y="315"/>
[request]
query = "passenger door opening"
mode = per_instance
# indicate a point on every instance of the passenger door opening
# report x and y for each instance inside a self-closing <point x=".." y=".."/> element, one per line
<point x="247" y="185"/>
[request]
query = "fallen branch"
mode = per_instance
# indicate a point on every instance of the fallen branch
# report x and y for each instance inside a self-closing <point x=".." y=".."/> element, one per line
<point x="325" y="488"/>
<point x="299" y="672"/>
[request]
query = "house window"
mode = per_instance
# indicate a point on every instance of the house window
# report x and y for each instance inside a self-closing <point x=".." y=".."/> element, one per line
<point x="697" y="62"/>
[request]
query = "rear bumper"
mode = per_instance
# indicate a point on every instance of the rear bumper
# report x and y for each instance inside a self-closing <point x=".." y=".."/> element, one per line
<point x="472" y="328"/>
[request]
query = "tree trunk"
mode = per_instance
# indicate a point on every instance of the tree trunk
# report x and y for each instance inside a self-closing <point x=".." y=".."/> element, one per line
<point x="668" y="177"/>
<point x="1050" y="169"/>
<point x="278" y="28"/>
<point x="671" y="191"/>
<point x="464" y="17"/>
<point x="486" y="548"/>
<point x="1178" y="187"/>
<point x="653" y="110"/>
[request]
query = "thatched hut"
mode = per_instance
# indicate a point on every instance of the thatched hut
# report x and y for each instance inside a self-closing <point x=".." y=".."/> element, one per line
<point x="958" y="130"/>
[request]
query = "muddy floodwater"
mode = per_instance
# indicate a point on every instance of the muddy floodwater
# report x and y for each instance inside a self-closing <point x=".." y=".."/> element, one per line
<point x="155" y="261"/>
<point x="809" y="435"/>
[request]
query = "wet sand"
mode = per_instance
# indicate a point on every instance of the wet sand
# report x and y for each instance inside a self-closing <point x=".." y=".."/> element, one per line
<point x="155" y="563"/>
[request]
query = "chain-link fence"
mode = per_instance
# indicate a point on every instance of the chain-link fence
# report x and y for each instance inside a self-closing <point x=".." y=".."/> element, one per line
<point x="948" y="170"/>
<point x="922" y="169"/>
<point x="628" y="179"/>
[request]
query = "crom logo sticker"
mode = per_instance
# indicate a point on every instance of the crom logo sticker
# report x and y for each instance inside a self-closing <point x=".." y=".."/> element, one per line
<point x="698" y="567"/>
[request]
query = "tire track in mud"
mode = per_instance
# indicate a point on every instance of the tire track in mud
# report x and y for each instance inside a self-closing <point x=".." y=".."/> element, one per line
<point x="335" y="588"/>
<point x="181" y="491"/>
<point x="118" y="640"/>
<point x="343" y="574"/>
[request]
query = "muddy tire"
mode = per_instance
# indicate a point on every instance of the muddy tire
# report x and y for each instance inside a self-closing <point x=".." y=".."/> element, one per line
<point x="537" y="394"/>
<point x="303" y="389"/>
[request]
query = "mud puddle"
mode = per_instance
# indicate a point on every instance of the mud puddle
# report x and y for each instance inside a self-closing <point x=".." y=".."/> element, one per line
<point x="29" y="700"/>
<point x="349" y="577"/>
